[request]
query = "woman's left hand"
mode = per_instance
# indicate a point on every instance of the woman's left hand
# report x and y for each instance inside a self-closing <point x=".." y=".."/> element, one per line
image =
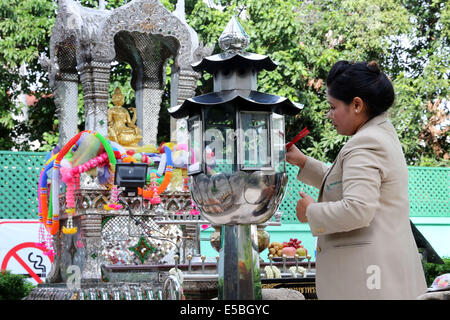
<point x="302" y="205"/>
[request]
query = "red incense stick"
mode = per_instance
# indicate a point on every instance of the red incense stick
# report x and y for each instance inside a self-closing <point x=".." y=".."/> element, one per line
<point x="299" y="136"/>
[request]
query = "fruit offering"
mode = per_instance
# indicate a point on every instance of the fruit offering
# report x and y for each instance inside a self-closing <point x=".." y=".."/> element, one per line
<point x="275" y="249"/>
<point x="301" y="252"/>
<point x="290" y="249"/>
<point x="293" y="242"/>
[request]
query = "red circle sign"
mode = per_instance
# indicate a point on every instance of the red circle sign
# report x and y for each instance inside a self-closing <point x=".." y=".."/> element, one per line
<point x="13" y="254"/>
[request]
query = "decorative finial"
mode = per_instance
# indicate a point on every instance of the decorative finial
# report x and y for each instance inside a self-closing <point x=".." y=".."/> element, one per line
<point x="234" y="37"/>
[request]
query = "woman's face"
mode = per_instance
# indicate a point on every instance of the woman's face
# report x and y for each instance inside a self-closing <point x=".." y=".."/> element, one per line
<point x="345" y="117"/>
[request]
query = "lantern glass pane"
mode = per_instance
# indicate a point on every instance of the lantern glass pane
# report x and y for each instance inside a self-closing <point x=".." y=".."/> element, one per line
<point x="255" y="141"/>
<point x="279" y="148"/>
<point x="220" y="140"/>
<point x="195" y="145"/>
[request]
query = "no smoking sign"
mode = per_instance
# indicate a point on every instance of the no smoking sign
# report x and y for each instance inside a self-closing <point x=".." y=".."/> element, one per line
<point x="20" y="252"/>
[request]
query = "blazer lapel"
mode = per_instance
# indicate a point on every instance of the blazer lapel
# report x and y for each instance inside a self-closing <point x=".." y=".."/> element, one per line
<point x="324" y="179"/>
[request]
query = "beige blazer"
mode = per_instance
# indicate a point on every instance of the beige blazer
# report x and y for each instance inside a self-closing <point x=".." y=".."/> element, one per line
<point x="365" y="246"/>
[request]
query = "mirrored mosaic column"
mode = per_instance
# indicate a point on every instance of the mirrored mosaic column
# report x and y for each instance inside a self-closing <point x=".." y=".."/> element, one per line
<point x="66" y="100"/>
<point x="94" y="78"/>
<point x="148" y="104"/>
<point x="185" y="82"/>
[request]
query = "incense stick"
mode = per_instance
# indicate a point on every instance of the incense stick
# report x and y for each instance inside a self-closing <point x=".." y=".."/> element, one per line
<point x="299" y="136"/>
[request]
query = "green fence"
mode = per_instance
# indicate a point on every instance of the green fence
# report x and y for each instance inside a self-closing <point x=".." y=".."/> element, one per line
<point x="19" y="177"/>
<point x="429" y="192"/>
<point x="429" y="188"/>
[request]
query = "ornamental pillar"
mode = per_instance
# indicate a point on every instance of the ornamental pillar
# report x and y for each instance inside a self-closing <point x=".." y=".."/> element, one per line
<point x="66" y="100"/>
<point x="94" y="77"/>
<point x="184" y="83"/>
<point x="148" y="104"/>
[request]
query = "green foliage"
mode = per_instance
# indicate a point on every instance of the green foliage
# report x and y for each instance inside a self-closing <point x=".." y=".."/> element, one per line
<point x="433" y="270"/>
<point x="422" y="84"/>
<point x="25" y="28"/>
<point x="409" y="39"/>
<point x="307" y="38"/>
<point x="14" y="286"/>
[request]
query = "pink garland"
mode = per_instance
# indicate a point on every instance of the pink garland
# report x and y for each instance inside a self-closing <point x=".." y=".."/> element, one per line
<point x="68" y="175"/>
<point x="113" y="205"/>
<point x="45" y="242"/>
<point x="155" y="199"/>
<point x="71" y="177"/>
<point x="194" y="210"/>
<point x="70" y="194"/>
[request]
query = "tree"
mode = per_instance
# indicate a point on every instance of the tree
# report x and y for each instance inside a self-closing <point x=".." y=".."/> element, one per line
<point x="307" y="38"/>
<point x="14" y="286"/>
<point x="422" y="113"/>
<point x="24" y="32"/>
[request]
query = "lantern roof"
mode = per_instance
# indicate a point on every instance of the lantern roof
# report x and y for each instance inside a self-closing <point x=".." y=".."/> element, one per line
<point x="234" y="40"/>
<point x="246" y="99"/>
<point x="232" y="60"/>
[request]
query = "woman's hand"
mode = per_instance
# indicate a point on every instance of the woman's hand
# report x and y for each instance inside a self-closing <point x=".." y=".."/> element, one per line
<point x="302" y="205"/>
<point x="296" y="157"/>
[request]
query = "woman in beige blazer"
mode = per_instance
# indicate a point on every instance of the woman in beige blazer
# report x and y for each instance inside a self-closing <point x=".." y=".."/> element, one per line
<point x="365" y="246"/>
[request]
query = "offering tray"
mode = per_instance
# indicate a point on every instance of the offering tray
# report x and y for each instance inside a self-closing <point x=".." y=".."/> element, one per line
<point x="280" y="259"/>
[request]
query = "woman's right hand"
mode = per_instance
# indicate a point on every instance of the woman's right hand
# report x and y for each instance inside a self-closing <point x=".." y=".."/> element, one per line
<point x="295" y="157"/>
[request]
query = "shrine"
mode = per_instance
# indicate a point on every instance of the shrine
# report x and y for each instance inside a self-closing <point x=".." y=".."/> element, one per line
<point x="120" y="214"/>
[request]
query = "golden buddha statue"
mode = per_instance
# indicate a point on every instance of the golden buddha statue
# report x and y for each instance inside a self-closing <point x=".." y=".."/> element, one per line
<point x="121" y="128"/>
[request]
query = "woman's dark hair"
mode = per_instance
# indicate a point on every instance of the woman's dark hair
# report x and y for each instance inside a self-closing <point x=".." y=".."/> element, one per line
<point x="347" y="80"/>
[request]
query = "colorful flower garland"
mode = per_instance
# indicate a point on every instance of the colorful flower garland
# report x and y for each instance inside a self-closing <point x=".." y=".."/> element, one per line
<point x="153" y="192"/>
<point x="53" y="223"/>
<point x="59" y="166"/>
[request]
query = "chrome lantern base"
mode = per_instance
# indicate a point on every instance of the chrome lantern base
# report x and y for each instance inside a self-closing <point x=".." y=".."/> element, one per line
<point x="239" y="272"/>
